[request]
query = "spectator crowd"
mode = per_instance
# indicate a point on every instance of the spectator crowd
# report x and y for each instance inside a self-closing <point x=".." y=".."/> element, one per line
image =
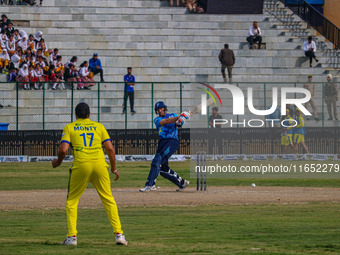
<point x="26" y="59"/>
<point x="20" y="2"/>
<point x="194" y="6"/>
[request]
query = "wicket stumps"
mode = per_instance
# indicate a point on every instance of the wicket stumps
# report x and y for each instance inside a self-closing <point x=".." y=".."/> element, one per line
<point x="202" y="174"/>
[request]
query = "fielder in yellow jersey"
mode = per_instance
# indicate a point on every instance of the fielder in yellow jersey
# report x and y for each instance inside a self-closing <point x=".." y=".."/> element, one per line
<point x="86" y="138"/>
<point x="287" y="134"/>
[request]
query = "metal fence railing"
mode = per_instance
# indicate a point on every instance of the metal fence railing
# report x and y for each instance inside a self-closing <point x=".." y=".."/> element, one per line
<point x="315" y="19"/>
<point x="145" y="141"/>
<point x="48" y="109"/>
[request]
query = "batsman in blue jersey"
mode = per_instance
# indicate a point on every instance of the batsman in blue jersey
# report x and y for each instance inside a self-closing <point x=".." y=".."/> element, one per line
<point x="167" y="124"/>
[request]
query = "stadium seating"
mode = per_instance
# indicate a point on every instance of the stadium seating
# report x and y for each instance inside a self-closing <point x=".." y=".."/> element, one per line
<point x="162" y="44"/>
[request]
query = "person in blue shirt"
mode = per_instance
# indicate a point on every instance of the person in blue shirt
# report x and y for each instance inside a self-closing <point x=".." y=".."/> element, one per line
<point x="129" y="92"/>
<point x="167" y="124"/>
<point x="95" y="66"/>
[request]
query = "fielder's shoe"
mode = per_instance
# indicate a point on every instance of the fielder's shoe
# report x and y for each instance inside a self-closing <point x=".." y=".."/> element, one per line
<point x="120" y="239"/>
<point x="185" y="184"/>
<point x="148" y="188"/>
<point x="70" y="240"/>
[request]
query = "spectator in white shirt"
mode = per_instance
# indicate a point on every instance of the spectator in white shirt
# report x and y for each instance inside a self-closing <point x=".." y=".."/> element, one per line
<point x="30" y="54"/>
<point x="22" y="34"/>
<point x="31" y="43"/>
<point x="309" y="47"/>
<point x="42" y="45"/>
<point x="21" y="56"/>
<point x="42" y="63"/>
<point x="4" y="60"/>
<point x="59" y="67"/>
<point x="2" y="44"/>
<point x="31" y="76"/>
<point x="23" y="44"/>
<point x="84" y="74"/>
<point x="11" y="47"/>
<point x="22" y="77"/>
<point x="28" y="61"/>
<point x="40" y="54"/>
<point x="73" y="61"/>
<point x="39" y="74"/>
<point x="3" y="35"/>
<point x="53" y="55"/>
<point x="52" y="77"/>
<point x="254" y="35"/>
<point x="38" y="36"/>
<point x="16" y="35"/>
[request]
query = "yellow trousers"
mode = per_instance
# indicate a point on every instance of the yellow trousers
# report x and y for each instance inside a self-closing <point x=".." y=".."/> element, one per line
<point x="81" y="174"/>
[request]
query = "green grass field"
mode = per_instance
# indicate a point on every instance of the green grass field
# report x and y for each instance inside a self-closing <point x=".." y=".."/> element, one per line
<point x="28" y="176"/>
<point x="309" y="228"/>
<point x="267" y="229"/>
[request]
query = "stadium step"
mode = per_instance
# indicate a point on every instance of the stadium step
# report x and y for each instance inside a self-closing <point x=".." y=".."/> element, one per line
<point x="163" y="44"/>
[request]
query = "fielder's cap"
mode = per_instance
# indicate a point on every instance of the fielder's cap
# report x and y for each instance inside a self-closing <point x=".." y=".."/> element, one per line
<point x="297" y="110"/>
<point x="287" y="110"/>
<point x="95" y="54"/>
<point x="82" y="110"/>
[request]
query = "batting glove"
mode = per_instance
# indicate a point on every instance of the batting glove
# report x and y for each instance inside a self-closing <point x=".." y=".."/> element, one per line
<point x="180" y="122"/>
<point x="186" y="115"/>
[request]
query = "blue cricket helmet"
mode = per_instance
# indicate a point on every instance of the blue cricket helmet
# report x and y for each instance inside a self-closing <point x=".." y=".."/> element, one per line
<point x="160" y="104"/>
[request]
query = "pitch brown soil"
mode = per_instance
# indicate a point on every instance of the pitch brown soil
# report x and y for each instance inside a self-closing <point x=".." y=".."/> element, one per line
<point x="56" y="199"/>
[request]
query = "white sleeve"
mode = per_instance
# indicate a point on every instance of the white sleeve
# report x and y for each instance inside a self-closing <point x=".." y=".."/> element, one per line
<point x="37" y="74"/>
<point x="314" y="46"/>
<point x="82" y="71"/>
<point x="260" y="33"/>
<point x="251" y="32"/>
<point x="305" y="46"/>
<point x="21" y="73"/>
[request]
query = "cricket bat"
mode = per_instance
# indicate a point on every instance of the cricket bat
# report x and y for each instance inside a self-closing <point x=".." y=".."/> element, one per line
<point x="198" y="108"/>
